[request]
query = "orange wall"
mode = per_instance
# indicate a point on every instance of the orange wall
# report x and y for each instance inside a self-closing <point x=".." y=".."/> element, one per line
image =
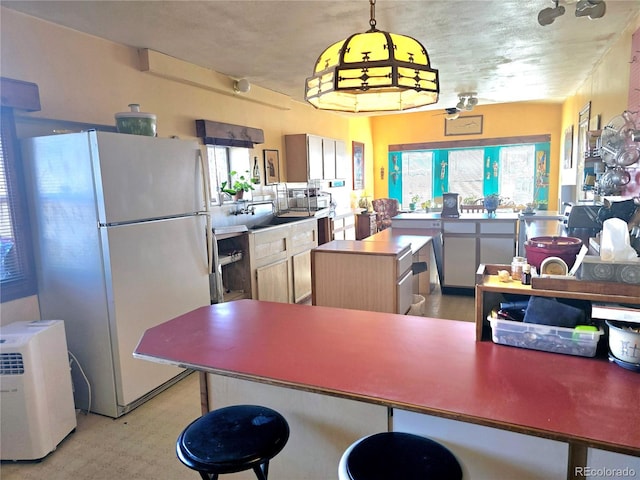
<point x="504" y="120"/>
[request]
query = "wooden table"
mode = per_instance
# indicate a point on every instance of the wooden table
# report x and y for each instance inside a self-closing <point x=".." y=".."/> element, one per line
<point x="422" y="365"/>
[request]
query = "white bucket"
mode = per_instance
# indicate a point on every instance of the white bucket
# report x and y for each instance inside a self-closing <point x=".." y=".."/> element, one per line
<point x="417" y="306"/>
<point x="624" y="341"/>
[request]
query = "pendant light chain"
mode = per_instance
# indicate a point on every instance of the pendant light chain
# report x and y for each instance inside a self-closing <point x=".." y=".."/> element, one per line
<point x="372" y="20"/>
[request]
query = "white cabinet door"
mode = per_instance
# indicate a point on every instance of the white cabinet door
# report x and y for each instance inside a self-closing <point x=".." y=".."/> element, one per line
<point x="329" y="158"/>
<point x="496" y="250"/>
<point x="314" y="157"/>
<point x="343" y="166"/>
<point x="459" y="261"/>
<point x="322" y="427"/>
<point x="487" y="453"/>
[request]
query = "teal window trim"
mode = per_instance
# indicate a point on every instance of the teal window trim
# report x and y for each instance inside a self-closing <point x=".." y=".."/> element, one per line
<point x="491" y="168"/>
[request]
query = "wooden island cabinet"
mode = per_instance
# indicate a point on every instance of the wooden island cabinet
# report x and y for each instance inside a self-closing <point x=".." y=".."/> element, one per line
<point x="374" y="276"/>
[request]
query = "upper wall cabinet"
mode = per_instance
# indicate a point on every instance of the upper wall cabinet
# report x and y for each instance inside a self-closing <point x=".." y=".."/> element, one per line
<point x="310" y="157"/>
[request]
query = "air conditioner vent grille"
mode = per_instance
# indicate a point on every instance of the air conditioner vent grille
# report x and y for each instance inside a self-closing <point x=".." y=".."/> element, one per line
<point x="11" y="364"/>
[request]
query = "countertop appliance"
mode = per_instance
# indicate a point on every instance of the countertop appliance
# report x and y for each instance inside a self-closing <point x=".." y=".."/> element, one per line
<point x="36" y="395"/>
<point x="120" y="228"/>
<point x="581" y="221"/>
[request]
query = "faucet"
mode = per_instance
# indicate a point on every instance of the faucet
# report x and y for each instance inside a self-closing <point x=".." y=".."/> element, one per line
<point x="246" y="209"/>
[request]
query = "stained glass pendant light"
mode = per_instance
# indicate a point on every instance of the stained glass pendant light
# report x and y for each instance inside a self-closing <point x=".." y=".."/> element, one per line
<point x="374" y="71"/>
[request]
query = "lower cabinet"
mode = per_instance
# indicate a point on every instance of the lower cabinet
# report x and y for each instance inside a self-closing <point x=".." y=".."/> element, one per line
<point x="301" y="267"/>
<point x="468" y="242"/>
<point x="602" y="465"/>
<point x="321" y="427"/>
<point x="280" y="261"/>
<point x="272" y="282"/>
<point x="487" y="453"/>
<point x="344" y="227"/>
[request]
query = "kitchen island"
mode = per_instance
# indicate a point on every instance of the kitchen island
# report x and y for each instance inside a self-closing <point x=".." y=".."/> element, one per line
<point x="467" y="241"/>
<point x="396" y="371"/>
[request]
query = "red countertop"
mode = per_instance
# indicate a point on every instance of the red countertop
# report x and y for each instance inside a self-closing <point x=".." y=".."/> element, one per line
<point x="426" y="365"/>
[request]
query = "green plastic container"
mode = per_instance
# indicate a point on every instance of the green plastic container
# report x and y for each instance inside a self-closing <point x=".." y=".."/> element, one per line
<point x="136" y="122"/>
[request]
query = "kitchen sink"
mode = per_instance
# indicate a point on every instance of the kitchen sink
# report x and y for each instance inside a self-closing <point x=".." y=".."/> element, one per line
<point x="275" y="221"/>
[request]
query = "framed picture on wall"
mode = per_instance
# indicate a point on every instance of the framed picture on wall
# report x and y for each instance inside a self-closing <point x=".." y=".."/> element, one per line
<point x="358" y="165"/>
<point x="271" y="167"/>
<point x="469" y="125"/>
<point x="568" y="147"/>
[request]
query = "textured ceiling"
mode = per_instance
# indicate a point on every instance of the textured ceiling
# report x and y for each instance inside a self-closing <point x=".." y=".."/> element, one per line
<point x="496" y="48"/>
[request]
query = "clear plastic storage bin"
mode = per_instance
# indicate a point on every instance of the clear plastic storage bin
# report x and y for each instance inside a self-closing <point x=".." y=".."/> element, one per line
<point x="546" y="338"/>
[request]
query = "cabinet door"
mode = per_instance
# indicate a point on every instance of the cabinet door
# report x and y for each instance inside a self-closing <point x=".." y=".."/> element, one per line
<point x="501" y="454"/>
<point x="314" y="157"/>
<point x="329" y="158"/>
<point x="301" y="275"/>
<point x="404" y="292"/>
<point x="343" y="166"/>
<point x="459" y="261"/>
<point x="497" y="251"/>
<point x="273" y="282"/>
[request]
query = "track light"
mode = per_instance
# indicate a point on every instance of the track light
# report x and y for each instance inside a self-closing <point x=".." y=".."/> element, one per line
<point x="584" y="8"/>
<point x="468" y="100"/>
<point x="548" y="15"/>
<point x="591" y="8"/>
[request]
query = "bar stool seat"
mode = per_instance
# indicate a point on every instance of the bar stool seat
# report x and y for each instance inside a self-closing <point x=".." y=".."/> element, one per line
<point x="405" y="456"/>
<point x="233" y="439"/>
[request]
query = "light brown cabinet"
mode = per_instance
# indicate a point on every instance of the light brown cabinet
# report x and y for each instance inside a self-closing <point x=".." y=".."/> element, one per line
<point x="311" y="157"/>
<point x="374" y="276"/>
<point x="280" y="261"/>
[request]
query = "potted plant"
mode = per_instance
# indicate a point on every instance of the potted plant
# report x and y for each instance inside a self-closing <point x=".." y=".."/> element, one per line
<point x="414" y="200"/>
<point x="426" y="205"/>
<point x="238" y="186"/>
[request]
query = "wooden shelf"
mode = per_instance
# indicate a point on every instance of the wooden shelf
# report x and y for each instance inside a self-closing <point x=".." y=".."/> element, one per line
<point x="490" y="292"/>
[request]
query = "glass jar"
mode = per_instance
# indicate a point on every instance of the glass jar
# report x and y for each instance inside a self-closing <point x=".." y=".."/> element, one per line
<point x="517" y="265"/>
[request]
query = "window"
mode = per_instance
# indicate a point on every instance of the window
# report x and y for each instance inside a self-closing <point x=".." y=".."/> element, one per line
<point x="417" y="176"/>
<point x="466" y="173"/>
<point x="223" y="160"/>
<point x="17" y="274"/>
<point x="518" y="172"/>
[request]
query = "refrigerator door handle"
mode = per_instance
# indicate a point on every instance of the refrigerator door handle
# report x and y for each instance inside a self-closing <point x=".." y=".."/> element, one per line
<point x="204" y="170"/>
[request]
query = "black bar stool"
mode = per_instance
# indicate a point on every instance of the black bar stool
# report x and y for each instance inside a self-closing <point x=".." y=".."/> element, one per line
<point x="398" y="455"/>
<point x="233" y="439"/>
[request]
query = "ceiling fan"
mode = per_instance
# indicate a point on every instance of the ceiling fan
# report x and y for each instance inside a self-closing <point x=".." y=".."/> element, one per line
<point x="467" y="100"/>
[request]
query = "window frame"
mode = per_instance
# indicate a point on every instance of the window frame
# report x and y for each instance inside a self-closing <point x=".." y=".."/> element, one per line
<point x="25" y="284"/>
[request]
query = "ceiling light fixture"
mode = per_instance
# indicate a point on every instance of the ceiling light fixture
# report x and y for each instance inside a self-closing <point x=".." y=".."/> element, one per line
<point x="372" y="72"/>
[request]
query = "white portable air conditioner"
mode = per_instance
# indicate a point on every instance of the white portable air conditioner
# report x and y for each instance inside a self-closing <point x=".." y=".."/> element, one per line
<point x="36" y="397"/>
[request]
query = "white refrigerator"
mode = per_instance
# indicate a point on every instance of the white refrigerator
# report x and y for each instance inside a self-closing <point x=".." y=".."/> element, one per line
<point x="121" y="233"/>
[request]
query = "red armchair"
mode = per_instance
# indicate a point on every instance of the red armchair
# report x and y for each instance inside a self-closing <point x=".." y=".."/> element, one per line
<point x="385" y="209"/>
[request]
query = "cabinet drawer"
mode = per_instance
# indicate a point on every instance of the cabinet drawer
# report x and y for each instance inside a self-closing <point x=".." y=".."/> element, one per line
<point x="459" y="227"/>
<point x="508" y="228"/>
<point x="404" y="262"/>
<point x="405" y="292"/>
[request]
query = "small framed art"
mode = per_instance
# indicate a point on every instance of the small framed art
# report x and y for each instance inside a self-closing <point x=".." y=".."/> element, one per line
<point x="271" y="167"/>
<point x="358" y="165"/>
